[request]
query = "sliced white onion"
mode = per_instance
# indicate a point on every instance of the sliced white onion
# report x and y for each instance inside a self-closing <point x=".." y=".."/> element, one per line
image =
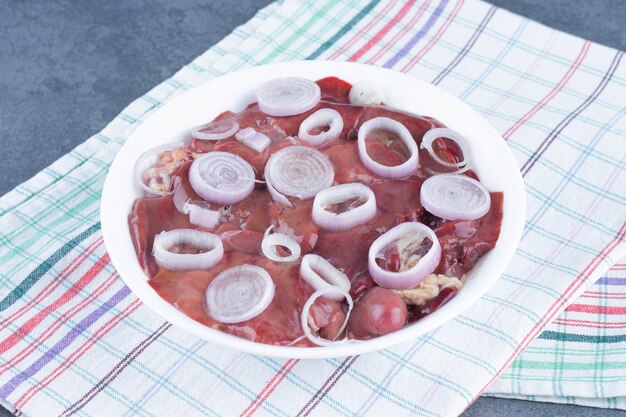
<point x="296" y="340"/>
<point x="271" y="241"/>
<point x="215" y="130"/>
<point x="149" y="159"/>
<point x="164" y="241"/>
<point x="275" y="194"/>
<point x="319" y="273"/>
<point x="298" y="171"/>
<point x="222" y="177"/>
<point x="239" y="294"/>
<point x="365" y="93"/>
<point x="398" y="171"/>
<point x="288" y="96"/>
<point x="413" y="276"/>
<point x="455" y="197"/>
<point x="256" y="140"/>
<point x="321" y="118"/>
<point x="441" y="132"/>
<point x="343" y="221"/>
<point x="180" y="196"/>
<point x="201" y="216"/>
<point x="245" y="134"/>
<point x="304" y="317"/>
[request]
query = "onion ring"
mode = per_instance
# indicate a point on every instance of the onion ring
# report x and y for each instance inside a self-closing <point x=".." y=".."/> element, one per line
<point x="222" y="133"/>
<point x="441" y="132"/>
<point x="288" y="96"/>
<point x="304" y="317"/>
<point x="187" y="261"/>
<point x="270" y="241"/>
<point x="321" y="118"/>
<point x="319" y="273"/>
<point x="222" y="177"/>
<point x="150" y="159"/>
<point x="201" y="216"/>
<point x="298" y="171"/>
<point x="415" y="274"/>
<point x="180" y="196"/>
<point x="239" y="294"/>
<point x="365" y="93"/>
<point x="343" y="221"/>
<point x="455" y="197"/>
<point x="399" y="171"/>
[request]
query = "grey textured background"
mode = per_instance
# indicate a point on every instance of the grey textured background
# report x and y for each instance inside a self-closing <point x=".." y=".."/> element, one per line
<point x="68" y="67"/>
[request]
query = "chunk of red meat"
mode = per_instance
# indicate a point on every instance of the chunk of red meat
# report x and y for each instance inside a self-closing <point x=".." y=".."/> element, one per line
<point x="400" y="196"/>
<point x="435" y="122"/>
<point x="252" y="117"/>
<point x="296" y="222"/>
<point x="242" y="241"/>
<point x="464" y="242"/>
<point x="335" y="89"/>
<point x="360" y="284"/>
<point x="379" y="311"/>
<point x="278" y="324"/>
<point x="347" y="250"/>
<point x="149" y="217"/>
<point x="346" y="155"/>
<point x="253" y="213"/>
<point x="384" y="155"/>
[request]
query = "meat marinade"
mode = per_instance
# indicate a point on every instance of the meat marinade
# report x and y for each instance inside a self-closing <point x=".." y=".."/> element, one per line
<point x="242" y="225"/>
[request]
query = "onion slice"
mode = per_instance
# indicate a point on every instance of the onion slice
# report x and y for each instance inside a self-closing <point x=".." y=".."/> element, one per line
<point x="441" y="132"/>
<point x="288" y="96"/>
<point x="222" y="177"/>
<point x="180" y="196"/>
<point x="150" y="159"/>
<point x="398" y="171"/>
<point x="201" y="216"/>
<point x="298" y="171"/>
<point x="414" y="275"/>
<point x="304" y="317"/>
<point x="217" y="130"/>
<point x="455" y="197"/>
<point x="321" y="118"/>
<point x="271" y="241"/>
<point x="239" y="294"/>
<point x="365" y="93"/>
<point x="337" y="194"/>
<point x="256" y="140"/>
<point x="319" y="273"/>
<point x="164" y="241"/>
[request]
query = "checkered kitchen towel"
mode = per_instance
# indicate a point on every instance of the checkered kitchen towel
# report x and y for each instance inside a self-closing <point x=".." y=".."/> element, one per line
<point x="75" y="341"/>
<point x="580" y="358"/>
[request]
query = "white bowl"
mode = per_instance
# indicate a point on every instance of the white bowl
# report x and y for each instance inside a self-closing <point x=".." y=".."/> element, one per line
<point x="492" y="161"/>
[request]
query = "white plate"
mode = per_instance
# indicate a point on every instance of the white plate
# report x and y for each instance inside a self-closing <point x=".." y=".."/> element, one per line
<point x="492" y="160"/>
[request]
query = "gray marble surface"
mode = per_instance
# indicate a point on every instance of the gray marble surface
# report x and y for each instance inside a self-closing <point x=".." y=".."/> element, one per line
<point x="68" y="67"/>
